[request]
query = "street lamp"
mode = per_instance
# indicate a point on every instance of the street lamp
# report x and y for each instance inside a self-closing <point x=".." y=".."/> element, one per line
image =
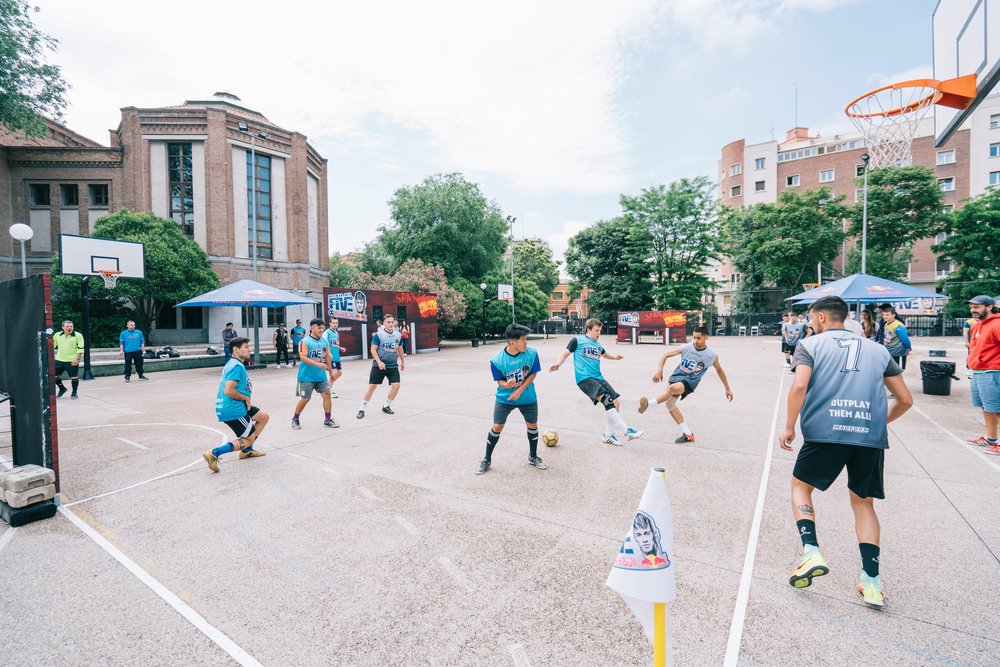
<point x="511" y="220"/>
<point x="22" y="233"/>
<point x="482" y="323"/>
<point x="864" y="218"/>
<point x="245" y="129"/>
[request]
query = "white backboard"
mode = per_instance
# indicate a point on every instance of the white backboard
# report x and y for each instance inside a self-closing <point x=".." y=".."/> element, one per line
<point x="966" y="37"/>
<point x="505" y="292"/>
<point x="85" y="256"/>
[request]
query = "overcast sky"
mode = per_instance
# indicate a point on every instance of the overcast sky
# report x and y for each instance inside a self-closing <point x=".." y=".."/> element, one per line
<point x="554" y="108"/>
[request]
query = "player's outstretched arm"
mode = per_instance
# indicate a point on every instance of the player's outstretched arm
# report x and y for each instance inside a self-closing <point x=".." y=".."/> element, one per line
<point x="722" y="376"/>
<point x="616" y="357"/>
<point x="559" y="362"/>
<point x="672" y="352"/>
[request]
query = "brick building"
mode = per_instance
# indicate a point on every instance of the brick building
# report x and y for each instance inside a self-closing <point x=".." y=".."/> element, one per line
<point x="191" y="163"/>
<point x="753" y="173"/>
<point x="560" y="304"/>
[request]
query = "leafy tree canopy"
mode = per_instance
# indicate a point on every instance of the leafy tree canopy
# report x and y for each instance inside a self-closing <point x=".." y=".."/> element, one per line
<point x="416" y="276"/>
<point x="342" y="274"/>
<point x="29" y="87"/>
<point x="446" y="221"/>
<point x="973" y="231"/>
<point x="533" y="261"/>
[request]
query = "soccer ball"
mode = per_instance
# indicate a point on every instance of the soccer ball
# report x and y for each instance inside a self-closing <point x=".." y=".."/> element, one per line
<point x="550" y="438"/>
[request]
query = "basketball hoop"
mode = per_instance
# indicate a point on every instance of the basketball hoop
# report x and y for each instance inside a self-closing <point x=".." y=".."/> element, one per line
<point x="809" y="286"/>
<point x="110" y="277"/>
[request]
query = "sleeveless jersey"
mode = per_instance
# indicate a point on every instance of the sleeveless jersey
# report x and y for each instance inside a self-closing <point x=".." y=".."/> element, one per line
<point x="694" y="364"/>
<point x="387" y="344"/>
<point x="332" y="339"/>
<point x="316" y="349"/>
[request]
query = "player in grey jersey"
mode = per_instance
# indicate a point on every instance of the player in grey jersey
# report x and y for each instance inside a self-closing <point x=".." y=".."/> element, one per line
<point x="838" y="392"/>
<point x="696" y="358"/>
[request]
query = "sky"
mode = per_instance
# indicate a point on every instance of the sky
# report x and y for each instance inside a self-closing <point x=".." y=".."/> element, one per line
<point x="554" y="108"/>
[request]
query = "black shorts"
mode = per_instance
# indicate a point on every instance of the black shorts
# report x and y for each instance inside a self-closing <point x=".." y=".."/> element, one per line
<point x="335" y="365"/>
<point x="243" y="427"/>
<point x="789" y="349"/>
<point x="819" y="463"/>
<point x="502" y="410"/>
<point x="689" y="387"/>
<point x="68" y="367"/>
<point x="595" y="388"/>
<point x="376" y="375"/>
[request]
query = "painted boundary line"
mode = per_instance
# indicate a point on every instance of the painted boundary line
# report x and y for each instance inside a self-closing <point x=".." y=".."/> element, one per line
<point x="193" y="617"/>
<point x="743" y="596"/>
<point x="7" y="536"/>
<point x="972" y="448"/>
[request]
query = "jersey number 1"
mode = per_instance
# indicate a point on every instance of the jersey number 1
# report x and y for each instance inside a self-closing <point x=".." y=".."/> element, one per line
<point x="853" y="346"/>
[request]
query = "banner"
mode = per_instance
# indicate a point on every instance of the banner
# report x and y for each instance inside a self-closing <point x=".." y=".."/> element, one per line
<point x="347" y="305"/>
<point x="643" y="572"/>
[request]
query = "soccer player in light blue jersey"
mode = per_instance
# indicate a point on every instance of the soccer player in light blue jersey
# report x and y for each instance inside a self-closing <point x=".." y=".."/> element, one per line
<point x="387" y="363"/>
<point x="332" y="337"/>
<point x="314" y="353"/>
<point x="233" y="407"/>
<point x="696" y="359"/>
<point x="514" y="369"/>
<point x="587" y="353"/>
<point x="838" y="393"/>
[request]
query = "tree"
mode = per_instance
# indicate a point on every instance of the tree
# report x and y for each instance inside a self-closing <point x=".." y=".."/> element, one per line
<point x="904" y="206"/>
<point x="610" y="259"/>
<point x="376" y="260"/>
<point x="533" y="261"/>
<point x="681" y="223"/>
<point x="176" y="267"/>
<point x="342" y="274"/>
<point x="416" y="276"/>
<point x="448" y="222"/>
<point x="781" y="244"/>
<point x="29" y="87"/>
<point x="972" y="232"/>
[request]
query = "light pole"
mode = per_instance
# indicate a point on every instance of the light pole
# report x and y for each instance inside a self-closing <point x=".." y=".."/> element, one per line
<point x="511" y="220"/>
<point x="22" y="233"/>
<point x="864" y="218"/>
<point x="245" y="129"/>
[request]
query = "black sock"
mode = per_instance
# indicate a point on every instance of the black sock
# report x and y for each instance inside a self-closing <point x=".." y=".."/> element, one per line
<point x="76" y="383"/>
<point x="807" y="531"/>
<point x="532" y="442"/>
<point x="869" y="558"/>
<point x="491" y="441"/>
<point x="59" y="383"/>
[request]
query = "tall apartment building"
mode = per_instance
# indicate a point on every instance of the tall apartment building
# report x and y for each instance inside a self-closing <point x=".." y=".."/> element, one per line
<point x="190" y="163"/>
<point x="966" y="166"/>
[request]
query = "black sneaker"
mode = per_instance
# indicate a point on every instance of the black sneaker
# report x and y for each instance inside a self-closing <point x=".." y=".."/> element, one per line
<point x="127" y="380"/>
<point x="74" y="396"/>
<point x="62" y="390"/>
<point x="329" y="423"/>
<point x="537" y="462"/>
<point x="484" y="465"/>
<point x="361" y="414"/>
<point x="387" y="410"/>
<point x="143" y="377"/>
<point x="295" y="424"/>
<point x="684" y="439"/>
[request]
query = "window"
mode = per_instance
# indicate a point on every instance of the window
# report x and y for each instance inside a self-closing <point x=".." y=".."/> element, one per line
<point x="759" y="163"/>
<point x="270" y="320"/>
<point x="262" y="198"/>
<point x="377" y="313"/>
<point x="759" y="186"/>
<point x="400" y="313"/>
<point x="735" y="169"/>
<point x="859" y="195"/>
<point x="69" y="194"/>
<point x="191" y="318"/>
<point x="940" y="237"/>
<point x="995" y="178"/>
<point x="558" y="296"/>
<point x="827" y="176"/>
<point x="945" y="157"/>
<point x="736" y="191"/>
<point x="942" y="267"/>
<point x="97" y="194"/>
<point x="181" y="187"/>
<point x="38" y="194"/>
<point x="859" y="170"/>
<point x="948" y="184"/>
<point x="167" y="319"/>
<point x="792" y="181"/>
<point x="994" y="150"/>
<point x="994" y="121"/>
<point x="948" y="209"/>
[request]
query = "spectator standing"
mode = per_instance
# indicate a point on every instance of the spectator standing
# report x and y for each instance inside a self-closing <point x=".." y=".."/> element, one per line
<point x="298" y="333"/>
<point x="280" y="340"/>
<point x="867" y="324"/>
<point x="228" y="334"/>
<point x="984" y="361"/>
<point x="404" y="333"/>
<point x="68" y="346"/>
<point x="132" y="345"/>
<point x="894" y="335"/>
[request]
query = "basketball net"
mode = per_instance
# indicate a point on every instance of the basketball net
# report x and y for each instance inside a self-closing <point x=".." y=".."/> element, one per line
<point x="888" y="119"/>
<point x="110" y="278"/>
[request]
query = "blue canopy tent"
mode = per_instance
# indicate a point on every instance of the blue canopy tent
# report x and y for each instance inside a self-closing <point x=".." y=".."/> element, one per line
<point x="862" y="288"/>
<point x="247" y="294"/>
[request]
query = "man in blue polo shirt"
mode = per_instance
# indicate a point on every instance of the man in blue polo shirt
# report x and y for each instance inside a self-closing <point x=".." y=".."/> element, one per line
<point x="514" y="369"/>
<point x="132" y="345"/>
<point x="298" y="332"/>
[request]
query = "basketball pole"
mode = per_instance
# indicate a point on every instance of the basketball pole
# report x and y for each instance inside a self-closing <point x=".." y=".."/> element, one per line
<point x="85" y="316"/>
<point x="864" y="219"/>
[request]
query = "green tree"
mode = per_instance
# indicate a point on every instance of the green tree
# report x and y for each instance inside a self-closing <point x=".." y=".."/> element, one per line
<point x="447" y="221"/>
<point x="342" y="274"/>
<point x="904" y="206"/>
<point x="176" y="267"/>
<point x="376" y="260"/>
<point x="780" y="244"/>
<point x="533" y="260"/>
<point x="681" y="222"/>
<point x="610" y="259"/>
<point x="29" y="87"/>
<point x="416" y="276"/>
<point x="972" y="234"/>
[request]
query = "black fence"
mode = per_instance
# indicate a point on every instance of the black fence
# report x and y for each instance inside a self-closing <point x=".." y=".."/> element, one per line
<point x="769" y="324"/>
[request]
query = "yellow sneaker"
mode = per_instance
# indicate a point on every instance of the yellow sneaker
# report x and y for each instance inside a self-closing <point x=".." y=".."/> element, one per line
<point x="643" y="404"/>
<point x="813" y="565"/>
<point x="212" y="461"/>
<point x="870" y="589"/>
<point x="251" y="453"/>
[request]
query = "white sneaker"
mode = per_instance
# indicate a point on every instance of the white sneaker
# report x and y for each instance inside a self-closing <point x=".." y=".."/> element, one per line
<point x="633" y="434"/>
<point x="612" y="440"/>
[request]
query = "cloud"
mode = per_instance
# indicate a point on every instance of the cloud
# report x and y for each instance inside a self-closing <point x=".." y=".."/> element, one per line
<point x="877" y="79"/>
<point x="559" y="241"/>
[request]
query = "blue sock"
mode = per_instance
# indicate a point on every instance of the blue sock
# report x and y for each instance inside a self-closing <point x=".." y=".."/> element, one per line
<point x="222" y="449"/>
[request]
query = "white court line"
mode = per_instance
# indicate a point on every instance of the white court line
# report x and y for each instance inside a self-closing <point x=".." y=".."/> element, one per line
<point x="407" y="526"/>
<point x="743" y="596"/>
<point x="132" y="486"/>
<point x="974" y="450"/>
<point x="331" y="471"/>
<point x="519" y="655"/>
<point x="367" y="493"/>
<point x="207" y="428"/>
<point x="7" y="537"/>
<point x="134" y="444"/>
<point x="193" y="617"/>
<point x="455" y="573"/>
<point x="297" y="456"/>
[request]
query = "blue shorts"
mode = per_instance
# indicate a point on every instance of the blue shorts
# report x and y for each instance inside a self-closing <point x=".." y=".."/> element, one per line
<point x="986" y="391"/>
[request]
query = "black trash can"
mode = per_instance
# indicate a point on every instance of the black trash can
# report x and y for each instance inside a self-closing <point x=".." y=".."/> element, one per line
<point x="937" y="377"/>
<point x="475" y="342"/>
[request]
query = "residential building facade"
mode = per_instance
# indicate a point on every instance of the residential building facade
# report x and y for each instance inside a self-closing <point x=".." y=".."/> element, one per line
<point x="561" y="306"/>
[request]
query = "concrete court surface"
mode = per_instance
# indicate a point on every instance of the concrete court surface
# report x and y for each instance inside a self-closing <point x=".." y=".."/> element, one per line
<point x="376" y="544"/>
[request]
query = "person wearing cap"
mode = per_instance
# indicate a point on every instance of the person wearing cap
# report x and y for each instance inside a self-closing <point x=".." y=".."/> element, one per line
<point x="984" y="362"/>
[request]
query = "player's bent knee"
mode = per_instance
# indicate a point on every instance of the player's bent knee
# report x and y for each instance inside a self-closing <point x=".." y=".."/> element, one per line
<point x="498" y="428"/>
<point x="609" y="404"/>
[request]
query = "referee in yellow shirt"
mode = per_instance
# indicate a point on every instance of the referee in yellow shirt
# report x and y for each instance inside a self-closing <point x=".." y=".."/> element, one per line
<point x="68" y="347"/>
